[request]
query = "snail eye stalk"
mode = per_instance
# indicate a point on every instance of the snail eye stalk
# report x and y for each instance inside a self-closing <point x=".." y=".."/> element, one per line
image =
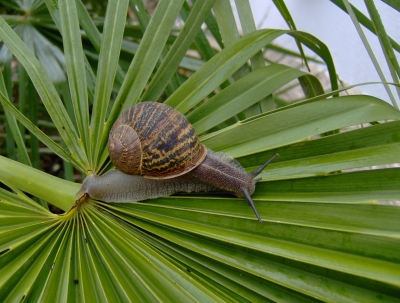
<point x="261" y="168"/>
<point x="254" y="174"/>
<point x="251" y="203"/>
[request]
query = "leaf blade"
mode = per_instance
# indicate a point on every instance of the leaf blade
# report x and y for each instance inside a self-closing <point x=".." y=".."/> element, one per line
<point x="46" y="91"/>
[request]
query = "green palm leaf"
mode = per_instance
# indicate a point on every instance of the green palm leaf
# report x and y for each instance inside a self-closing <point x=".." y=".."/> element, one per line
<point x="46" y="91"/>
<point x="329" y="233"/>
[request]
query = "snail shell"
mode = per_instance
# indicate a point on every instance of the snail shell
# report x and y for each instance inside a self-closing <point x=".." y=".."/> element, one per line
<point x="155" y="141"/>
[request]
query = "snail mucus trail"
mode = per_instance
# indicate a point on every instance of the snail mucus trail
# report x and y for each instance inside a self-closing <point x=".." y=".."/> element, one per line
<point x="157" y="153"/>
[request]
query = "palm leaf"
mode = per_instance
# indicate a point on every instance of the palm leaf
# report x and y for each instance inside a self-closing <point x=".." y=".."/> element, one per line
<point x="46" y="90"/>
<point x="75" y="67"/>
<point x="328" y="233"/>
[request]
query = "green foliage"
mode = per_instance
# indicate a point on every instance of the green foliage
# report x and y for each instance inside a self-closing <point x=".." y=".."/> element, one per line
<point x="388" y="44"/>
<point x="329" y="233"/>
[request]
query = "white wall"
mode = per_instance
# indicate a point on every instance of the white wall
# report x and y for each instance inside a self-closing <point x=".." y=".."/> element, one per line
<point x="330" y="24"/>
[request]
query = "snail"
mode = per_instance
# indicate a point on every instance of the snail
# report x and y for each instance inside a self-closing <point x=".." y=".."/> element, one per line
<point x="157" y="153"/>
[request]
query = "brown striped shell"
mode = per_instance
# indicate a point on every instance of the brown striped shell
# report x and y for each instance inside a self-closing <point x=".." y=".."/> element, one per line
<point x="155" y="141"/>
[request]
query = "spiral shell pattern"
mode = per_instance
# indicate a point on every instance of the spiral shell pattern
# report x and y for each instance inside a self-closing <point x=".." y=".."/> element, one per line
<point x="155" y="141"/>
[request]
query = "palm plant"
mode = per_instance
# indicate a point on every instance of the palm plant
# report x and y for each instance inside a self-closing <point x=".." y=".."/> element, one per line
<point x="324" y="235"/>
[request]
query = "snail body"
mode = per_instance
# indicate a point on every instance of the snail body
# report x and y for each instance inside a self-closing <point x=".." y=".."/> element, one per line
<point x="116" y="186"/>
<point x="157" y="153"/>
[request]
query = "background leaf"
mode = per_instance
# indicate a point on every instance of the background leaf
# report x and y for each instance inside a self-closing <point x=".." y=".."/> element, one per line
<point x="46" y="91"/>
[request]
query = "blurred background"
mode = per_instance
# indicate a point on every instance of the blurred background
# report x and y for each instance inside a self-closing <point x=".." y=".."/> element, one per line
<point x="334" y="27"/>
